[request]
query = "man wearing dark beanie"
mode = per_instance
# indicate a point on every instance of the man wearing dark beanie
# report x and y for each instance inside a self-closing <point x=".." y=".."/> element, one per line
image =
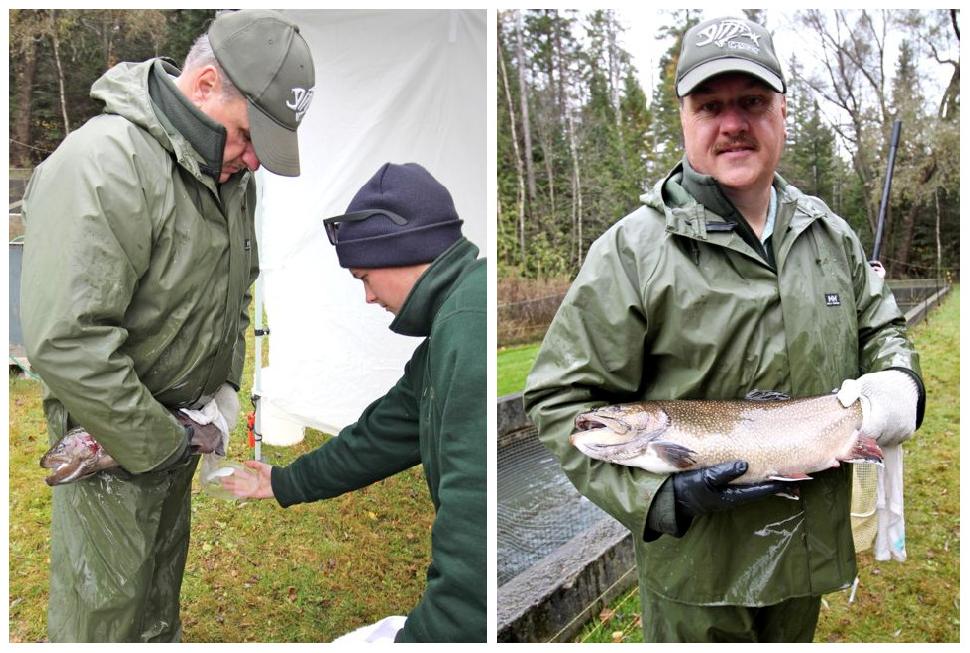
<point x="401" y="236"/>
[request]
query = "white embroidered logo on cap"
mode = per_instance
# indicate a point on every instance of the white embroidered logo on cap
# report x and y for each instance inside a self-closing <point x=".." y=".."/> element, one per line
<point x="721" y="33"/>
<point x="300" y="102"/>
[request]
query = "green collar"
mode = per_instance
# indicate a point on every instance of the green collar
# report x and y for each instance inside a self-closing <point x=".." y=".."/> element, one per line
<point x="432" y="288"/>
<point x="206" y="136"/>
<point x="708" y="193"/>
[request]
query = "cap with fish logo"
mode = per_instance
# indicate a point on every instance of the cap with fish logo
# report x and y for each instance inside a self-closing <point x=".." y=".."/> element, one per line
<point x="267" y="59"/>
<point x="725" y="45"/>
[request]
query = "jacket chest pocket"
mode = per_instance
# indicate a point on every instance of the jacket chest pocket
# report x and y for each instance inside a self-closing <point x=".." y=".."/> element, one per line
<point x="820" y="308"/>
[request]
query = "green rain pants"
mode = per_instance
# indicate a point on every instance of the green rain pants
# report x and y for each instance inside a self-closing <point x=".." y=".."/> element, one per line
<point x="118" y="549"/>
<point x="793" y="620"/>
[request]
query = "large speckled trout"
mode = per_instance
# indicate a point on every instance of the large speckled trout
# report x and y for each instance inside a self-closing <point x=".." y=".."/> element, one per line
<point x="783" y="439"/>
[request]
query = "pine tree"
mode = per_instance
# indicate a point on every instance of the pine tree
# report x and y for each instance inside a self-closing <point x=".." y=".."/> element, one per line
<point x="666" y="137"/>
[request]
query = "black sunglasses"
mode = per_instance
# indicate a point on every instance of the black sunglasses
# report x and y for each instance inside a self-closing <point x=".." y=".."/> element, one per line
<point x="332" y="225"/>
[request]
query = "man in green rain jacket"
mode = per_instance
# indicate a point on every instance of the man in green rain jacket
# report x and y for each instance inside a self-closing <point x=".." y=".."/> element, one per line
<point x="726" y="280"/>
<point x="402" y="238"/>
<point x="139" y="255"/>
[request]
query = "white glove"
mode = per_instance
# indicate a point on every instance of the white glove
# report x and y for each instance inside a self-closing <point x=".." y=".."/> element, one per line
<point x="888" y="400"/>
<point x="211" y="414"/>
<point x="227" y="399"/>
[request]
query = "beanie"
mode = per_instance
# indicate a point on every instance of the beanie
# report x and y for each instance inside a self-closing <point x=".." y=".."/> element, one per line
<point x="409" y="191"/>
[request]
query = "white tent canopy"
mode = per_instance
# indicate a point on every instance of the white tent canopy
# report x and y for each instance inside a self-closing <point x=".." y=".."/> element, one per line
<point x="394" y="86"/>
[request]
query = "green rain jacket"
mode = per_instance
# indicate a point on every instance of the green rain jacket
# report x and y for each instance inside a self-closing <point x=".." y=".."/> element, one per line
<point x="135" y="285"/>
<point x="434" y="415"/>
<point x="136" y="276"/>
<point x="673" y="302"/>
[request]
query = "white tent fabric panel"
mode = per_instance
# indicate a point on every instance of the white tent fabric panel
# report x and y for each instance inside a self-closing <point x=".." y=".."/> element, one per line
<point x="394" y="86"/>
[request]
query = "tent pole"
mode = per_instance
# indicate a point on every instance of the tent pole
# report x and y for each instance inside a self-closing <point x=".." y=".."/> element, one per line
<point x="258" y="329"/>
<point x="258" y="366"/>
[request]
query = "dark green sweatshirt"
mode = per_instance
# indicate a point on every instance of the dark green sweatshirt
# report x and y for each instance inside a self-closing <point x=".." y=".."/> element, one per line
<point x="434" y="415"/>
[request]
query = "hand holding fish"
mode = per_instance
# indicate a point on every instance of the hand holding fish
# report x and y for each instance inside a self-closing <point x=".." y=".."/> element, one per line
<point x="257" y="485"/>
<point x="78" y="455"/>
<point x="706" y="490"/>
<point x="888" y="401"/>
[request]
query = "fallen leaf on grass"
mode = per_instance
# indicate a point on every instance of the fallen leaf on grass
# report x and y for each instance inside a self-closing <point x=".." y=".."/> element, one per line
<point x="606" y="615"/>
<point x="617" y="636"/>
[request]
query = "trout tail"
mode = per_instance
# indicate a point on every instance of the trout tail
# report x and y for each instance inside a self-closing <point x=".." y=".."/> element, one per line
<point x="865" y="450"/>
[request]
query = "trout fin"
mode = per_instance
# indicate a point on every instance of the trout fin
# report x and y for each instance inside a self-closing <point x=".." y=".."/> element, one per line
<point x="675" y="454"/>
<point x="795" y="476"/>
<point x="865" y="450"/>
<point x="766" y="395"/>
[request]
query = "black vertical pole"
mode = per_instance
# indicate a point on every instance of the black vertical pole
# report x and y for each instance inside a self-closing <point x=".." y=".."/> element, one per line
<point x="884" y="204"/>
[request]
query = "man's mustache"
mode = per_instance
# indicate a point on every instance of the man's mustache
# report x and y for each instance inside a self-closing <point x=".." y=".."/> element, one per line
<point x="741" y="141"/>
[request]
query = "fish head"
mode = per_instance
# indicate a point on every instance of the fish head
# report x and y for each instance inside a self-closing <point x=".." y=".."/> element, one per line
<point x="71" y="457"/>
<point x="606" y="432"/>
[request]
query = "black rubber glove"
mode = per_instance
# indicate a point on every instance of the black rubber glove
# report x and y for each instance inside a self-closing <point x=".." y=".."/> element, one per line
<point x="706" y="490"/>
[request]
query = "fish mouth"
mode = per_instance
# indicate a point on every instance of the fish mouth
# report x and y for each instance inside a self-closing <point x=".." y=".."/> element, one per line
<point x="591" y="422"/>
<point x="62" y="473"/>
<point x="50" y="461"/>
<point x="587" y="423"/>
<point x="594" y="432"/>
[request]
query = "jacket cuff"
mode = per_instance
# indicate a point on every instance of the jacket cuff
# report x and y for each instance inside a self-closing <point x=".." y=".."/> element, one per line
<point x="284" y="488"/>
<point x="662" y="516"/>
<point x="181" y="454"/>
<point x="921" y="400"/>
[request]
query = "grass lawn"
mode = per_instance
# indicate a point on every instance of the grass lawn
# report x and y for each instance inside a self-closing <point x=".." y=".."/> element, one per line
<point x="255" y="572"/>
<point x="913" y="601"/>
<point x="512" y="366"/>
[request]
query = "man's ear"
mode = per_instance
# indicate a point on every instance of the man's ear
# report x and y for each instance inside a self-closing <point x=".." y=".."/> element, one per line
<point x="205" y="84"/>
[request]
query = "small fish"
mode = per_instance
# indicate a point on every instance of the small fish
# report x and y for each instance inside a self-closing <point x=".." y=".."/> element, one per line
<point x="75" y="456"/>
<point x="780" y="438"/>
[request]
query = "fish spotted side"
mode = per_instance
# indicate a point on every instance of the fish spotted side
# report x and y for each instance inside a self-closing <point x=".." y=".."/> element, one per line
<point x="780" y="438"/>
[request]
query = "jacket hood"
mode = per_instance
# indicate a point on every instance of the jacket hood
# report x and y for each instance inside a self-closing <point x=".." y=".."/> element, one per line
<point x="433" y="287"/>
<point x="144" y="94"/>
<point x="124" y="91"/>
<point x="684" y="186"/>
<point x="694" y="203"/>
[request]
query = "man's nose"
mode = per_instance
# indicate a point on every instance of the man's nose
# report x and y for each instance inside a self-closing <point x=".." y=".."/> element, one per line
<point x="733" y="119"/>
<point x="249" y="158"/>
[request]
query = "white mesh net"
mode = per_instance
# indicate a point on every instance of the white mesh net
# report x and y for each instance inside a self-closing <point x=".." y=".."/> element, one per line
<point x="863" y="510"/>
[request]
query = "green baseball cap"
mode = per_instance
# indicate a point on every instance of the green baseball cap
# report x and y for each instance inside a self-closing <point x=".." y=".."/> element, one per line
<point x="269" y="62"/>
<point x="727" y="45"/>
